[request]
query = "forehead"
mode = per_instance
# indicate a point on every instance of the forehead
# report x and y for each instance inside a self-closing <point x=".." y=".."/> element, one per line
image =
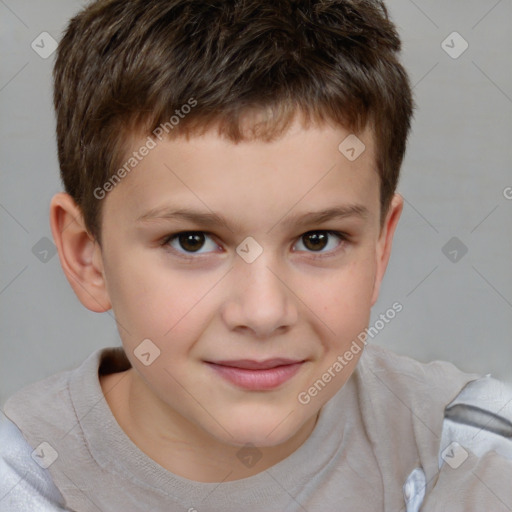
<point x="305" y="169"/>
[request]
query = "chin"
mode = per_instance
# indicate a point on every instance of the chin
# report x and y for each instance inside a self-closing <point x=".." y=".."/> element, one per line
<point x="263" y="431"/>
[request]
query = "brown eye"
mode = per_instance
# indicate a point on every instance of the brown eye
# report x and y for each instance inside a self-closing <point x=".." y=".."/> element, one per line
<point x="316" y="240"/>
<point x="192" y="241"/>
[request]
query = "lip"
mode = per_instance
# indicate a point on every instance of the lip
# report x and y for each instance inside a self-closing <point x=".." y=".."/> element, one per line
<point x="257" y="375"/>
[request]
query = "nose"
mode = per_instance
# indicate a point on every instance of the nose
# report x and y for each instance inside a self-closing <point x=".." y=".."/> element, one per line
<point x="260" y="301"/>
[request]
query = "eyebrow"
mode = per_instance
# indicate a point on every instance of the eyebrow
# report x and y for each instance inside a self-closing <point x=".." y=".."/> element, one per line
<point x="211" y="219"/>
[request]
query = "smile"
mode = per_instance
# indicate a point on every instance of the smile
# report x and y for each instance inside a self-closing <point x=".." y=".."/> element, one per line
<point x="257" y="376"/>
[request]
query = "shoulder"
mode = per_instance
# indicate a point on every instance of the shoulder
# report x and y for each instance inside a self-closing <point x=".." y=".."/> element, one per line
<point x="414" y="381"/>
<point x="462" y="426"/>
<point x="24" y="484"/>
<point x="34" y="406"/>
<point x="41" y="432"/>
<point x="475" y="456"/>
<point x="48" y="404"/>
<point x="402" y="401"/>
<point x="479" y="419"/>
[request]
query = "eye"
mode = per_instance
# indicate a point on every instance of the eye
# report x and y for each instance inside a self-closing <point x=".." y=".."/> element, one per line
<point x="315" y="241"/>
<point x="190" y="241"/>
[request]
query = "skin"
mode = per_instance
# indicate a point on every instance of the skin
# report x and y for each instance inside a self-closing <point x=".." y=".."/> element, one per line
<point x="216" y="306"/>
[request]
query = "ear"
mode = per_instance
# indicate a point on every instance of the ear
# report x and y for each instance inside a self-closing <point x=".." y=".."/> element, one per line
<point x="79" y="253"/>
<point x="383" y="250"/>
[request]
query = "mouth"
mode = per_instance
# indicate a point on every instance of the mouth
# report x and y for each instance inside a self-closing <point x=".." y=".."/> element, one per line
<point x="257" y="375"/>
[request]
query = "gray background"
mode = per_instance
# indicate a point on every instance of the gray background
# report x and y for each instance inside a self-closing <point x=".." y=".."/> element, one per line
<point x="454" y="181"/>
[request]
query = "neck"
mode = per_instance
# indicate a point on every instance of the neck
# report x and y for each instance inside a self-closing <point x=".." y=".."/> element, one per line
<point x="180" y="446"/>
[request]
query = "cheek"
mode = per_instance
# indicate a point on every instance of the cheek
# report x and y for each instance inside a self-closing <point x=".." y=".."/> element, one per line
<point x="345" y="299"/>
<point x="146" y="304"/>
<point x="151" y="301"/>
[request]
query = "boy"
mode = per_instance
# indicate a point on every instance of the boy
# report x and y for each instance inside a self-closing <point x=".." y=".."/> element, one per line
<point x="230" y="172"/>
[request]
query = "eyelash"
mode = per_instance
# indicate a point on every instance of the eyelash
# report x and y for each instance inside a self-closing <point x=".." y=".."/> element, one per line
<point x="195" y="256"/>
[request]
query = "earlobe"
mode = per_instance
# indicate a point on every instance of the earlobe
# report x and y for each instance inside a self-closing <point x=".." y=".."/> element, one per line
<point x="383" y="250"/>
<point x="79" y="254"/>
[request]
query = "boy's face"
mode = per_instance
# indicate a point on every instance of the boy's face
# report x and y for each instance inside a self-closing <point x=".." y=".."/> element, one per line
<point x="215" y="313"/>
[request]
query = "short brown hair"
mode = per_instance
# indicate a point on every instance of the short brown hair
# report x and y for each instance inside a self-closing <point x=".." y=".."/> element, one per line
<point x="124" y="67"/>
